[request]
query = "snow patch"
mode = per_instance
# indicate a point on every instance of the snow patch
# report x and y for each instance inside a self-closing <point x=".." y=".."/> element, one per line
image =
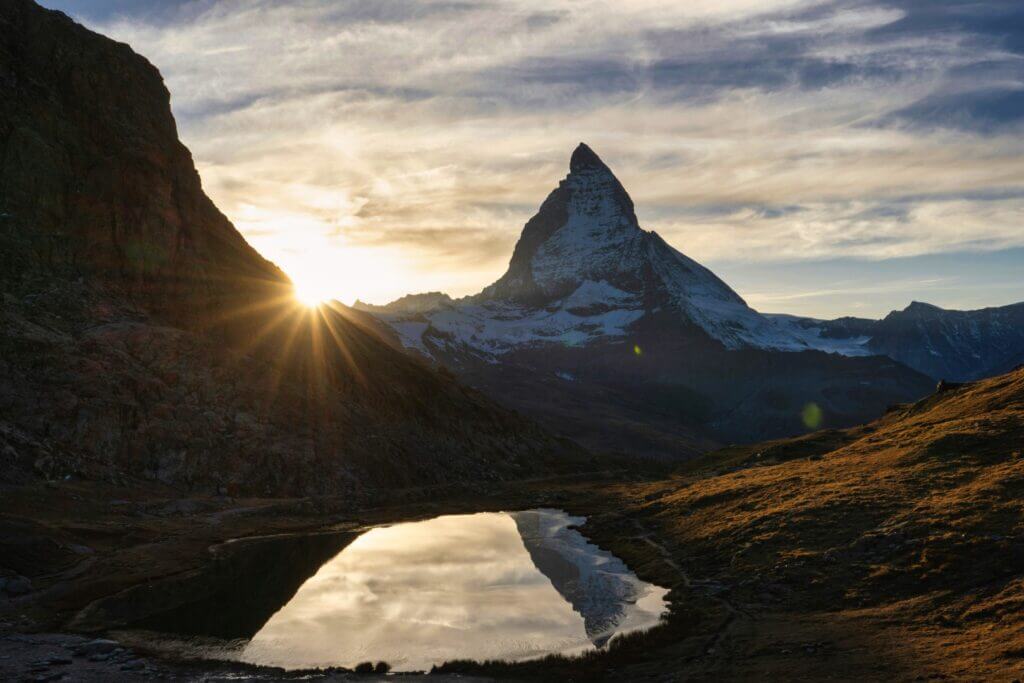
<point x="496" y="327"/>
<point x="808" y="331"/>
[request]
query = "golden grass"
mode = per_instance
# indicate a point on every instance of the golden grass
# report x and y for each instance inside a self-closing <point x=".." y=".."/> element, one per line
<point x="904" y="537"/>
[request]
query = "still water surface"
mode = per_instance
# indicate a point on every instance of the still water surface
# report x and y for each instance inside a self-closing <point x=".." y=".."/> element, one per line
<point x="498" y="585"/>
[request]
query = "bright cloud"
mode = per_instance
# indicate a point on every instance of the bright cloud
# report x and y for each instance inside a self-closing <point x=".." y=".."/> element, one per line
<point x="405" y="142"/>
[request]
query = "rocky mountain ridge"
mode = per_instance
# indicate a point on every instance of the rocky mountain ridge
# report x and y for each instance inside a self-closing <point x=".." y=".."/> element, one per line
<point x="142" y="337"/>
<point x="945" y="344"/>
<point x="597" y="313"/>
<point x="957" y="346"/>
<point x="584" y="270"/>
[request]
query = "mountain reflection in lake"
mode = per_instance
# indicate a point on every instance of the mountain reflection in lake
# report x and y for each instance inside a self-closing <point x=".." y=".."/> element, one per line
<point x="485" y="586"/>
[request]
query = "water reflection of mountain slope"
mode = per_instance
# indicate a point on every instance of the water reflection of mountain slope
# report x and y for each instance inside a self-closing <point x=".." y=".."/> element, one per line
<point x="598" y="585"/>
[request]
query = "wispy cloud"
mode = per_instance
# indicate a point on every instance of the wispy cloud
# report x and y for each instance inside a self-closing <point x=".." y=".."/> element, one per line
<point x="771" y="299"/>
<point x="419" y="136"/>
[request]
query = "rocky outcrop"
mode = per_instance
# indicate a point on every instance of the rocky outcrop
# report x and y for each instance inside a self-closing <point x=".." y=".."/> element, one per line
<point x="952" y="345"/>
<point x="943" y="344"/>
<point x="94" y="179"/>
<point x="141" y="336"/>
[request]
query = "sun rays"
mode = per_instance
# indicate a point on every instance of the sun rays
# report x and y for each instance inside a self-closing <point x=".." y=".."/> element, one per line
<point x="315" y="286"/>
<point x="311" y="298"/>
<point x="307" y="349"/>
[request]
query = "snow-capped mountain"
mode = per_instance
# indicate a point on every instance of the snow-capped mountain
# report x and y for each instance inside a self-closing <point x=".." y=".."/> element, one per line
<point x="605" y="333"/>
<point x="943" y="344"/>
<point x="584" y="271"/>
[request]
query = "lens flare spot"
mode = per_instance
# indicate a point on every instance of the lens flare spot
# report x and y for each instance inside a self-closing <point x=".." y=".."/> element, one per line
<point x="812" y="415"/>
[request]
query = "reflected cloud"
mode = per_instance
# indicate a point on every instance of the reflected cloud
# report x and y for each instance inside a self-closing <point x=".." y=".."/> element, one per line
<point x="457" y="587"/>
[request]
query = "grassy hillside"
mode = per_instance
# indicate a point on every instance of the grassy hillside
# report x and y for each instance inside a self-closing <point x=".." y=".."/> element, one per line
<point x="896" y="547"/>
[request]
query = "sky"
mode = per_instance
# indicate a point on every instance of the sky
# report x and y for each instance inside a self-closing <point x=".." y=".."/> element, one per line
<point x="823" y="157"/>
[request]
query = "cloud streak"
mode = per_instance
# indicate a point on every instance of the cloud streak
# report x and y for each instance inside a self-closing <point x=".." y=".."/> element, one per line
<point x="421" y="135"/>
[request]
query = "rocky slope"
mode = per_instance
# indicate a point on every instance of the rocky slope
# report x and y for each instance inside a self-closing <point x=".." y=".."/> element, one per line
<point x="944" y="344"/>
<point x="607" y="333"/>
<point x="93" y="175"/>
<point x="142" y="336"/>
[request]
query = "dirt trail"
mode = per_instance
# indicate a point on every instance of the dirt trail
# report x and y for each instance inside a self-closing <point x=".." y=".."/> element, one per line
<point x="733" y="611"/>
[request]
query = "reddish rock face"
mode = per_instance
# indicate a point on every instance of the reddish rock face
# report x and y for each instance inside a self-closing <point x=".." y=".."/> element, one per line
<point x="94" y="169"/>
<point x="140" y="335"/>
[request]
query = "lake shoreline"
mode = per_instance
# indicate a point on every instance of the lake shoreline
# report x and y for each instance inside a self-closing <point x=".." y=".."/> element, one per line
<point x="168" y="542"/>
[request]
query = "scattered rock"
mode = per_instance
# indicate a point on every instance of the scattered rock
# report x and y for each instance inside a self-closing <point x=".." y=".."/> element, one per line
<point x="18" y="585"/>
<point x="54" y="676"/>
<point x="80" y="549"/>
<point x="100" y="646"/>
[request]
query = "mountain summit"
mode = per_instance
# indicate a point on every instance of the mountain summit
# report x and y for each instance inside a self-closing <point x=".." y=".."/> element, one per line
<point x="585" y="247"/>
<point x="584" y="157"/>
<point x="588" y="216"/>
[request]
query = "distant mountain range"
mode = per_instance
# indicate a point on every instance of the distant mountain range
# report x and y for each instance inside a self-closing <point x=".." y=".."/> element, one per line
<point x="584" y="272"/>
<point x="943" y="344"/>
<point x="602" y="330"/>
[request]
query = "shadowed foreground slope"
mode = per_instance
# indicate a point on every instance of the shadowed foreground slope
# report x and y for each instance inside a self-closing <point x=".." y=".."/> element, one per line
<point x="904" y="537"/>
<point x="141" y="335"/>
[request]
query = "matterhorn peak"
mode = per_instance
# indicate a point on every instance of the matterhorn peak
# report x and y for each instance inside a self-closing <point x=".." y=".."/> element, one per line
<point x="585" y="250"/>
<point x="584" y="157"/>
<point x="586" y="224"/>
<point x="584" y="270"/>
